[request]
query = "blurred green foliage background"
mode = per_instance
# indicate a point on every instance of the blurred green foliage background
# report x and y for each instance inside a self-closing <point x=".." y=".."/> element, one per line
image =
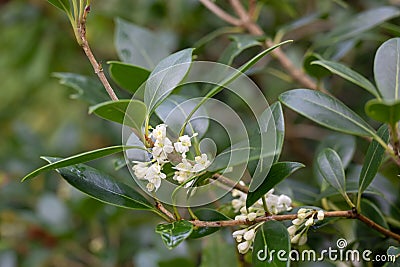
<point x="46" y="222"/>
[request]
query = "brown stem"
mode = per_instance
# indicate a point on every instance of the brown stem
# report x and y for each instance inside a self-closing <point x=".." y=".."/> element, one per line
<point x="349" y="214"/>
<point x="98" y="69"/>
<point x="161" y="208"/>
<point x="220" y="13"/>
<point x="230" y="183"/>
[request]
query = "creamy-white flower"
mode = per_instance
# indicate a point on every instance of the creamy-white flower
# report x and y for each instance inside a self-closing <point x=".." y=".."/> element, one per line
<point x="302" y="240"/>
<point x="160" y="132"/>
<point x="161" y="149"/>
<point x="292" y="230"/>
<point x="244" y="247"/>
<point x="140" y="169"/>
<point x="182" y="146"/>
<point x="309" y="222"/>
<point x="201" y="163"/>
<point x="249" y="235"/>
<point x="320" y="215"/>
<point x="252" y="216"/>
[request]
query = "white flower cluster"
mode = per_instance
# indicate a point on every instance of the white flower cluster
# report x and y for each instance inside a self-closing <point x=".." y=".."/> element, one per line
<point x="152" y="171"/>
<point x="305" y="219"/>
<point x="275" y="204"/>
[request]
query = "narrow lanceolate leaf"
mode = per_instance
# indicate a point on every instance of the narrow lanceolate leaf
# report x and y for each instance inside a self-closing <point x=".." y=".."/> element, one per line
<point x="278" y="172"/>
<point x="80" y="158"/>
<point x="237" y="46"/>
<point x="383" y="111"/>
<point x="129" y="77"/>
<point x="101" y="186"/>
<point x="387" y="69"/>
<point x="139" y="46"/>
<point x="373" y="160"/>
<point x="166" y="76"/>
<point x="271" y="238"/>
<point x="174" y="233"/>
<point x="348" y="74"/>
<point x="128" y="112"/>
<point x="207" y="215"/>
<point x="63" y="5"/>
<point x="331" y="168"/>
<point x="277" y="114"/>
<point x="326" y="111"/>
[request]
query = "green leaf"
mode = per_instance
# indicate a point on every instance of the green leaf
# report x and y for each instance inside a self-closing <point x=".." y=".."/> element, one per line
<point x="214" y="34"/>
<point x="360" y="23"/>
<point x="271" y="238"/>
<point x="370" y="210"/>
<point x="129" y="77"/>
<point x="383" y="111"/>
<point x="278" y="172"/>
<point x="326" y="111"/>
<point x="314" y="70"/>
<point x="395" y="251"/>
<point x="117" y="111"/>
<point x="88" y="88"/>
<point x="101" y="186"/>
<point x="63" y="5"/>
<point x="207" y="215"/>
<point x="351" y="187"/>
<point x="386" y="69"/>
<point x="373" y="160"/>
<point x="237" y="46"/>
<point x="332" y="170"/>
<point x="174" y="233"/>
<point x="348" y="74"/>
<point x="80" y="158"/>
<point x="166" y="76"/>
<point x="139" y="46"/>
<point x="277" y="114"/>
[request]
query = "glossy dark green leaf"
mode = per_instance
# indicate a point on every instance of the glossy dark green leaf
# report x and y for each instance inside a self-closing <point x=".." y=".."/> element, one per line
<point x="331" y="168"/>
<point x="312" y="69"/>
<point x="373" y="159"/>
<point x="238" y="44"/>
<point x="271" y="238"/>
<point x="101" y="186"/>
<point x="139" y="46"/>
<point x="278" y="172"/>
<point x="351" y="187"/>
<point x="348" y="74"/>
<point x="360" y="23"/>
<point x="277" y="114"/>
<point x="87" y="88"/>
<point x="63" y="5"/>
<point x="174" y="233"/>
<point x="205" y="214"/>
<point x="80" y="158"/>
<point x="117" y="111"/>
<point x="386" y="69"/>
<point x="166" y="76"/>
<point x="383" y="111"/>
<point x="129" y="77"/>
<point x="326" y="111"/>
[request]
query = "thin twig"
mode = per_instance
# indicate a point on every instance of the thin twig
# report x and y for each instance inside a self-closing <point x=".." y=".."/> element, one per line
<point x="220" y="13"/>
<point x="230" y="183"/>
<point x="349" y="214"/>
<point x="161" y="208"/>
<point x="98" y="69"/>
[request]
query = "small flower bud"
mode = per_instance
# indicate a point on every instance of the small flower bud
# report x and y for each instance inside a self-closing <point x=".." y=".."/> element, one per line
<point x="301" y="216"/>
<point x="251" y="216"/>
<point x="244" y="247"/>
<point x="295" y="239"/>
<point x="302" y="240"/>
<point x="292" y="230"/>
<point x="249" y="235"/>
<point x="297" y="221"/>
<point x="310" y="221"/>
<point x="241" y="217"/>
<point x="301" y="210"/>
<point x="320" y="215"/>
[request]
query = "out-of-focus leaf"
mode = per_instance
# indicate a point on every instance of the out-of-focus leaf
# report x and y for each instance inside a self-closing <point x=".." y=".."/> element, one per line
<point x="80" y="158"/>
<point x="63" y="5"/>
<point x="88" y="88"/>
<point x="279" y="121"/>
<point x="101" y="186"/>
<point x="351" y="187"/>
<point x="214" y="34"/>
<point x="237" y="46"/>
<point x="272" y="236"/>
<point x="117" y="111"/>
<point x="139" y="46"/>
<point x="166" y="76"/>
<point x="278" y="172"/>
<point x="327" y="111"/>
<point x="348" y="74"/>
<point x="314" y="70"/>
<point x="373" y="160"/>
<point x="383" y="111"/>
<point x="174" y="233"/>
<point x="217" y="252"/>
<point x="386" y="69"/>
<point x="360" y="23"/>
<point x="207" y="215"/>
<point x="370" y="210"/>
<point x="129" y="77"/>
<point x="176" y="262"/>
